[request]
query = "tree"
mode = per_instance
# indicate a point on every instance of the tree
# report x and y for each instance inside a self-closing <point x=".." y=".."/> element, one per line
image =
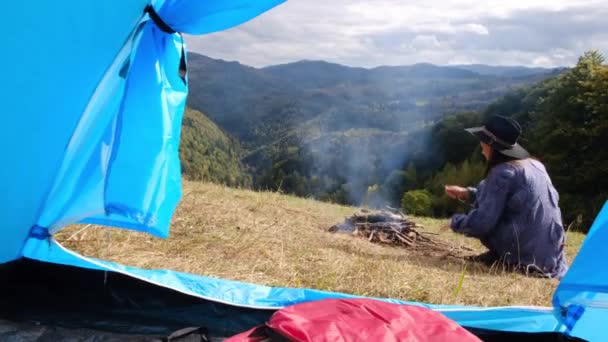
<point x="411" y="177"/>
<point x="452" y="143"/>
<point x="570" y="131"/>
<point x="469" y="173"/>
<point x="417" y="202"/>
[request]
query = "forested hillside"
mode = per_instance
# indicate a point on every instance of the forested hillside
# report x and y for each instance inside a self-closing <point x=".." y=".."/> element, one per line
<point x="208" y="154"/>
<point x="259" y="106"/>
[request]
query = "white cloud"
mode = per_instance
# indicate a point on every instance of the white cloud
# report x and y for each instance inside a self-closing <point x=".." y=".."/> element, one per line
<point x="425" y="42"/>
<point x="543" y="61"/>
<point x="389" y="32"/>
<point x="477" y="28"/>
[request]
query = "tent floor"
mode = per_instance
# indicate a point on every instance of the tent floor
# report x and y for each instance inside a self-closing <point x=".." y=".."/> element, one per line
<point x="48" y="302"/>
<point x="29" y="331"/>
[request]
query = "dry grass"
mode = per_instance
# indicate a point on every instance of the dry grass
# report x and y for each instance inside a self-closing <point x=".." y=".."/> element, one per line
<point x="278" y="240"/>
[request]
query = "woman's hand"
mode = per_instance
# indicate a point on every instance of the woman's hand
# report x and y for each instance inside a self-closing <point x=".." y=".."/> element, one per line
<point x="457" y="192"/>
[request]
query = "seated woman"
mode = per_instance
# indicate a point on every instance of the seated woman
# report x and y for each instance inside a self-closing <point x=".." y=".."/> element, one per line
<point x="515" y="210"/>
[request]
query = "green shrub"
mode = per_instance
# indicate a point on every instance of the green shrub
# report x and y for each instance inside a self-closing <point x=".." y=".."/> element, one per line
<point x="417" y="202"/>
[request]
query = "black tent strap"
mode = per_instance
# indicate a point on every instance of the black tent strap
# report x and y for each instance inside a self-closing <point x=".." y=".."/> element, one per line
<point x="157" y="20"/>
<point x="40" y="233"/>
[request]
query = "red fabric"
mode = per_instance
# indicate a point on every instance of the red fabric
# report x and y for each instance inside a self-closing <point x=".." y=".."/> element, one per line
<point x="253" y="335"/>
<point x="365" y="320"/>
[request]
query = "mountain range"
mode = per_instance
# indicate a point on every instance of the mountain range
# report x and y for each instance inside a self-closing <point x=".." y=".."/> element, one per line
<point x="260" y="105"/>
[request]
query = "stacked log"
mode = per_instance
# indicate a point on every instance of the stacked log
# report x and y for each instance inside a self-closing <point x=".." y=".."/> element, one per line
<point x="394" y="228"/>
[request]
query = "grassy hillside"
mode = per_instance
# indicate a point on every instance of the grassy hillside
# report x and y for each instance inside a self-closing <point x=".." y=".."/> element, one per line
<point x="279" y="240"/>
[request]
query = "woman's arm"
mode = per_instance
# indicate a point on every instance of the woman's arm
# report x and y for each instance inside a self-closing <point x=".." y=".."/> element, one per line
<point x="490" y="205"/>
<point x="456" y="192"/>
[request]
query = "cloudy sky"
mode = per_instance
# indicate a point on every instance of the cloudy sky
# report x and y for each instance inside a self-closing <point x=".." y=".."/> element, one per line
<point x="390" y="32"/>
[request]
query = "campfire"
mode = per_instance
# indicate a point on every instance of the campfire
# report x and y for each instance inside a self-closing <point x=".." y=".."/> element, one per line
<point x="394" y="228"/>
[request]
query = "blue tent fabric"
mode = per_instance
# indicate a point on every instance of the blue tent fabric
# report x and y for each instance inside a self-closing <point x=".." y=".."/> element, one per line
<point x="92" y="107"/>
<point x="146" y="161"/>
<point x="583" y="292"/>
<point x="52" y="71"/>
<point x="201" y="17"/>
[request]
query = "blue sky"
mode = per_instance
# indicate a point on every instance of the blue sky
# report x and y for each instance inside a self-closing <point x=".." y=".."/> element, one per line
<point x="387" y="32"/>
